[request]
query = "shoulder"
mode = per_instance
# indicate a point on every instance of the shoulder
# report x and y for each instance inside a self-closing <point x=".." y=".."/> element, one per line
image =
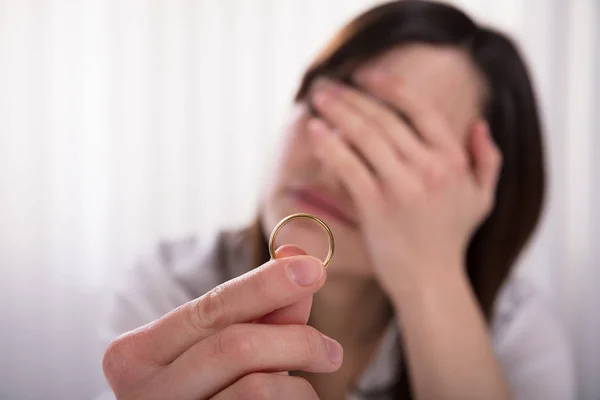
<point x="531" y="342"/>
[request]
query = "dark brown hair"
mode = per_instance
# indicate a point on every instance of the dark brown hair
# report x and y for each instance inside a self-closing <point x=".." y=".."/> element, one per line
<point x="510" y="109"/>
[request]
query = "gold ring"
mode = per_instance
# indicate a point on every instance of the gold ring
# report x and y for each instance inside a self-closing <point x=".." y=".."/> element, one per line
<point x="302" y="216"/>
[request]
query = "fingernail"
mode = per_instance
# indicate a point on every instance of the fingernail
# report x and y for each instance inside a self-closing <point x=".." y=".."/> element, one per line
<point x="322" y="98"/>
<point x="305" y="271"/>
<point x="334" y="350"/>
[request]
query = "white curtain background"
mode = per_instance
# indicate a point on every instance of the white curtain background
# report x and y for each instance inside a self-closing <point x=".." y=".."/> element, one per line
<point x="125" y="121"/>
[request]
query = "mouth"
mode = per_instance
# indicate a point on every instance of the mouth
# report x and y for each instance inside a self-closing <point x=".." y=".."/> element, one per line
<point x="321" y="203"/>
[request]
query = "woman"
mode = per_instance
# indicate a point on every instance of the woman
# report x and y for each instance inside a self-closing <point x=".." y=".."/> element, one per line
<point x="415" y="135"/>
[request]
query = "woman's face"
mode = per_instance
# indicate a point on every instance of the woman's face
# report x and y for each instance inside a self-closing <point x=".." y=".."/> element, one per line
<point x="301" y="184"/>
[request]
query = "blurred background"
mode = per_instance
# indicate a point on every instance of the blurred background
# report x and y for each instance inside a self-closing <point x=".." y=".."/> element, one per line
<point x="126" y="121"/>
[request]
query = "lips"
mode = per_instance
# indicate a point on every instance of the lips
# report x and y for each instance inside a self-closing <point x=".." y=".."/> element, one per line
<point x="320" y="200"/>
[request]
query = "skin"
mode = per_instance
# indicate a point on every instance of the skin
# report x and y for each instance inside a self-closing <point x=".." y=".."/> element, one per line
<point x="418" y="192"/>
<point x="415" y="192"/>
<point x="233" y="342"/>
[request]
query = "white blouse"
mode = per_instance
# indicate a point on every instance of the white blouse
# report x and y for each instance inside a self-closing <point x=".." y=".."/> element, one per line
<point x="527" y="337"/>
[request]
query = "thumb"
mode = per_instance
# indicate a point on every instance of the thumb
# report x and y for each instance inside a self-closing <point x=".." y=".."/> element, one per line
<point x="487" y="158"/>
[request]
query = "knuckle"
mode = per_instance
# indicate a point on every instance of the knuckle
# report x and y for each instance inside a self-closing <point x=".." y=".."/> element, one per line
<point x="263" y="284"/>
<point x="415" y="198"/>
<point x="258" y="386"/>
<point x="238" y="342"/>
<point x="489" y="202"/>
<point x="459" y="162"/>
<point x="113" y="357"/>
<point x="312" y="343"/>
<point x="118" y="358"/>
<point x="413" y="194"/>
<point x="209" y="311"/>
<point x="434" y="174"/>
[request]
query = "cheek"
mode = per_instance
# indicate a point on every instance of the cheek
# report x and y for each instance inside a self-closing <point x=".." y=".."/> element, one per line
<point x="296" y="155"/>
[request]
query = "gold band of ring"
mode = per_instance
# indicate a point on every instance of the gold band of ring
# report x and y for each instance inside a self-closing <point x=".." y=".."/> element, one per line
<point x="302" y="216"/>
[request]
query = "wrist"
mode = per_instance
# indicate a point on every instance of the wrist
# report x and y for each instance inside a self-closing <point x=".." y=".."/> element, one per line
<point x="441" y="282"/>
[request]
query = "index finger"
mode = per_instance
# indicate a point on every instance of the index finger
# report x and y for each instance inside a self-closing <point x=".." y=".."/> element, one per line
<point x="275" y="284"/>
<point x="419" y="112"/>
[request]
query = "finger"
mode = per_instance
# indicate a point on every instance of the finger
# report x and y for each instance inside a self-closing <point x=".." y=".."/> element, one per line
<point x="268" y="387"/>
<point x="289" y="250"/>
<point x="276" y="284"/>
<point x="394" y="129"/>
<point x="296" y="313"/>
<point x="238" y="350"/>
<point x="422" y="115"/>
<point x="335" y="154"/>
<point x="364" y="136"/>
<point x="487" y="159"/>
